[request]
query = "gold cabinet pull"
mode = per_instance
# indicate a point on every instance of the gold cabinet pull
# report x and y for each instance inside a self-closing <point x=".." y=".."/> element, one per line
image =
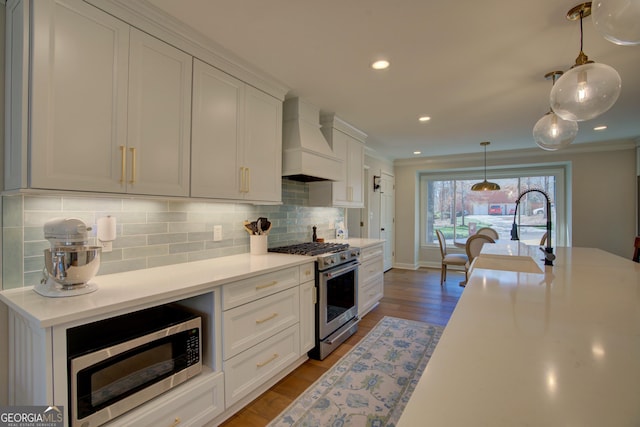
<point x="133" y="165"/>
<point x="266" y="362"/>
<point x="123" y="167"/>
<point x="176" y="421"/>
<point x="267" y="285"/>
<point x="259" y="321"/>
<point x="245" y="177"/>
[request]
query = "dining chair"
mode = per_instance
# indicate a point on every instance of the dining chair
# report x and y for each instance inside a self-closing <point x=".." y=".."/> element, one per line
<point x="543" y="240"/>
<point x="488" y="231"/>
<point x="449" y="259"/>
<point x="636" y="250"/>
<point x="473" y="247"/>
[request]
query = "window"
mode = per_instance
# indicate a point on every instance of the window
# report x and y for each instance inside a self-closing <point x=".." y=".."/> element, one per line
<point x="449" y="205"/>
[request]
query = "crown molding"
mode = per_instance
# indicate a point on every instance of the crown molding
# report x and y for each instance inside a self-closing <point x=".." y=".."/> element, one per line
<point x="595" y="147"/>
<point x="148" y="18"/>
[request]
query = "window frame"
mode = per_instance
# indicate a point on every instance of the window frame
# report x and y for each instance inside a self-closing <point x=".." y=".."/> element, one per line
<point x="561" y="172"/>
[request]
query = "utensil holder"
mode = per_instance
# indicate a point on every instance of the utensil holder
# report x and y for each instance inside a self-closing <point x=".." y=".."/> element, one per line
<point x="258" y="244"/>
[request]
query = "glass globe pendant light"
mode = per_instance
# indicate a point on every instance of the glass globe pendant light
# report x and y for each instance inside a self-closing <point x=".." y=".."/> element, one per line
<point x="587" y="89"/>
<point x="551" y="132"/>
<point x="617" y="20"/>
<point x="485" y="185"/>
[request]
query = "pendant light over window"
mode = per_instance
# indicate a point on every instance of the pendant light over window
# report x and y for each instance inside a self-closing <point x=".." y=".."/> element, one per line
<point x="485" y="185"/>
<point x="587" y="89"/>
<point x="552" y="132"/>
<point x="618" y="20"/>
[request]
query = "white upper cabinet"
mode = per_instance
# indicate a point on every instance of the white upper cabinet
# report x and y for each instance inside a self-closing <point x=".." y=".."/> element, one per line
<point x="110" y="105"/>
<point x="347" y="144"/>
<point x="236" y="151"/>
<point x="96" y="105"/>
<point x="159" y="126"/>
<point x="263" y="146"/>
<point x="78" y="96"/>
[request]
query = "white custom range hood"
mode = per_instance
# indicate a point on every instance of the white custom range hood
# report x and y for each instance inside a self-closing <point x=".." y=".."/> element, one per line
<point x="306" y="154"/>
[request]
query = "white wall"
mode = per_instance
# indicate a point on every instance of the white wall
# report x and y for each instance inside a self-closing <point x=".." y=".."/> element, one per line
<point x="603" y="195"/>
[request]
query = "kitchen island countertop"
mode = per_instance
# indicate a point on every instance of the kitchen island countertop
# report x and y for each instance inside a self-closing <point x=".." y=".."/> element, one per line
<point x="559" y="348"/>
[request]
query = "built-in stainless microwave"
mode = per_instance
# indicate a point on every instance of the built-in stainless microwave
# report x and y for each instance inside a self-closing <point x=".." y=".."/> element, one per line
<point x="119" y="363"/>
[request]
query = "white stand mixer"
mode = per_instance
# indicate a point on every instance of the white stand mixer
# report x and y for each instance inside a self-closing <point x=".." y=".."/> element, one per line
<point x="70" y="263"/>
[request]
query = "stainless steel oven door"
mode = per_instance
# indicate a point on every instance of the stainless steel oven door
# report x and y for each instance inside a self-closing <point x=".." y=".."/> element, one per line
<point x="338" y="297"/>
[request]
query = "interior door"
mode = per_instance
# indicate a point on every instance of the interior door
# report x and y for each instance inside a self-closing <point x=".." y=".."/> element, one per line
<point x="387" y="218"/>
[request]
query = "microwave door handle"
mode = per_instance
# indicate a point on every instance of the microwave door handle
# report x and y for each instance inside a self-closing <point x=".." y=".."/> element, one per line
<point x="333" y="274"/>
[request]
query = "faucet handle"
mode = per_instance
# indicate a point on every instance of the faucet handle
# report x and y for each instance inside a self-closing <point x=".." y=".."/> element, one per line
<point x="549" y="256"/>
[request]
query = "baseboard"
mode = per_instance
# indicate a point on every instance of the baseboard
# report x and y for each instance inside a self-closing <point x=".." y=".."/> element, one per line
<point x="403" y="266"/>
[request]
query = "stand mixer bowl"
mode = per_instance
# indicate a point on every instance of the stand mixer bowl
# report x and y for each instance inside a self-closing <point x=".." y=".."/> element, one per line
<point x="72" y="265"/>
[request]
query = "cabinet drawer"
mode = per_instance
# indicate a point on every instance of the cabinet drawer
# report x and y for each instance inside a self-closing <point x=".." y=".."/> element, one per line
<point x="370" y="252"/>
<point x="370" y="268"/>
<point x="244" y="291"/>
<point x="370" y="293"/>
<point x="248" y="370"/>
<point x="247" y="325"/>
<point x="193" y="403"/>
<point x="307" y="272"/>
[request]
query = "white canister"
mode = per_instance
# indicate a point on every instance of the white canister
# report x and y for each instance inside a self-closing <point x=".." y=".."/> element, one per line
<point x="258" y="244"/>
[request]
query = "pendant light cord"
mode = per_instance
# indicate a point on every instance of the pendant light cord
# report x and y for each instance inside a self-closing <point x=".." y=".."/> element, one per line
<point x="581" y="32"/>
<point x="485" y="162"/>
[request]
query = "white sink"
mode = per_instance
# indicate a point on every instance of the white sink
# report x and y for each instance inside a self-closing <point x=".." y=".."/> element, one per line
<point x="521" y="264"/>
<point x="510" y="256"/>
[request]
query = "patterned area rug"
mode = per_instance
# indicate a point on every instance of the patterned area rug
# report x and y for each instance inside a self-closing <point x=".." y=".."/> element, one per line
<point x="370" y="385"/>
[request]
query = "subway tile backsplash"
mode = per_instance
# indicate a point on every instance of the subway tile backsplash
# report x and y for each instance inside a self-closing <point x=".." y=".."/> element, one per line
<point x="153" y="232"/>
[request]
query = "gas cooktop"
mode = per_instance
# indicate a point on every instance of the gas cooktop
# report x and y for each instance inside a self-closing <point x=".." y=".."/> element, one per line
<point x="328" y="255"/>
<point x="311" y="248"/>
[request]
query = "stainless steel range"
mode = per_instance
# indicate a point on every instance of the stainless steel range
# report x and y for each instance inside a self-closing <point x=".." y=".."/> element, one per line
<point x="337" y="284"/>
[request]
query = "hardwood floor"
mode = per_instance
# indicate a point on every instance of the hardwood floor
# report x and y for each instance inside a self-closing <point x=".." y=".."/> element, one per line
<point x="408" y="294"/>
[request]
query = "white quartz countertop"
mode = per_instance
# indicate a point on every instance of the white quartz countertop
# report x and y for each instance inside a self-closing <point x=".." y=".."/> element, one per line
<point x="558" y="348"/>
<point x="124" y="291"/>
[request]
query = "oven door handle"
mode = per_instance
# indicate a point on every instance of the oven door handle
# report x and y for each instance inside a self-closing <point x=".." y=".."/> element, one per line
<point x="355" y="321"/>
<point x="340" y="272"/>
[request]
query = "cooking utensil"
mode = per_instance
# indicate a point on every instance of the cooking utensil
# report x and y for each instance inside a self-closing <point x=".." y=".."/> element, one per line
<point x="260" y="226"/>
<point x="250" y="227"/>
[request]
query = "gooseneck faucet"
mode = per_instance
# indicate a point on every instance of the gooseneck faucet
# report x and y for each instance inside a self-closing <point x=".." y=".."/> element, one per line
<point x="548" y="251"/>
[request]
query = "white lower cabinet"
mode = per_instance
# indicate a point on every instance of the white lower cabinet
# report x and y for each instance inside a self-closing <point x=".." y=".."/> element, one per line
<point x="308" y="300"/>
<point x="262" y="327"/>
<point x="255" y="331"/>
<point x="370" y="278"/>
<point x="251" y="323"/>
<point x="251" y="368"/>
<point x="193" y="403"/>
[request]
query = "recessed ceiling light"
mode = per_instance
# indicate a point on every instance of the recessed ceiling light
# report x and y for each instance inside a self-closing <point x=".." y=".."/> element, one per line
<point x="424" y="119"/>
<point x="603" y="127"/>
<point x="417" y="152"/>
<point x="381" y="64"/>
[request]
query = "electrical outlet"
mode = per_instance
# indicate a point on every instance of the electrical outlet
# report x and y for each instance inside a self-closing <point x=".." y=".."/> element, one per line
<point x="217" y="233"/>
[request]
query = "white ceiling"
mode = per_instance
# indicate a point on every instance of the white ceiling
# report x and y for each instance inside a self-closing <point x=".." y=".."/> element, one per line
<point x="477" y="68"/>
